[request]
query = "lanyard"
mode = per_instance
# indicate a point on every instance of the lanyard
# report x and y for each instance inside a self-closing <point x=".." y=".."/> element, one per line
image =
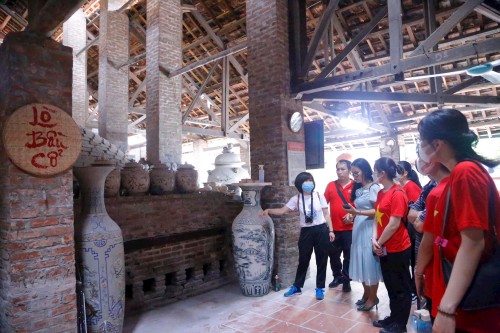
<point x="304" y="206"/>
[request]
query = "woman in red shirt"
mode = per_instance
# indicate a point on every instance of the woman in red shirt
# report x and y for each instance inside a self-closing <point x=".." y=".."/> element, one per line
<point x="409" y="181"/>
<point x="423" y="271"/>
<point x="446" y="138"/>
<point x="392" y="244"/>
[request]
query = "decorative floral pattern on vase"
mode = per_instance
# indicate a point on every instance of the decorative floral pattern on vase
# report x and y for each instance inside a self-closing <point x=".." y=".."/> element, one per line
<point x="162" y="179"/>
<point x="112" y="184"/>
<point x="99" y="254"/>
<point x="253" y="245"/>
<point x="186" y="179"/>
<point x="134" y="179"/>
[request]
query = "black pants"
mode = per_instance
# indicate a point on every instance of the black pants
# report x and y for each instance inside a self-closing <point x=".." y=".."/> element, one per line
<point x="396" y="274"/>
<point x="413" y="255"/>
<point x="313" y="238"/>
<point x="342" y="244"/>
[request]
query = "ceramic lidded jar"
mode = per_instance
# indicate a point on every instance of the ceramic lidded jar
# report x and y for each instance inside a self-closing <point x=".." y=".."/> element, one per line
<point x="228" y="168"/>
<point x="112" y="183"/>
<point x="134" y="179"/>
<point x="186" y="178"/>
<point x="162" y="179"/>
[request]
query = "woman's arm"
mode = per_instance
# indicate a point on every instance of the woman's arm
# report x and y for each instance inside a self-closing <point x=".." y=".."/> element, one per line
<point x="331" y="234"/>
<point x="391" y="228"/>
<point x="276" y="211"/>
<point x="354" y="211"/>
<point x="418" y="223"/>
<point x="425" y="255"/>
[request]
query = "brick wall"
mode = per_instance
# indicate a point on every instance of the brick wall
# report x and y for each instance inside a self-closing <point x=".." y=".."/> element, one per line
<point x="271" y="107"/>
<point x="176" y="245"/>
<point x="95" y="147"/>
<point x="164" y="49"/>
<point x="37" y="266"/>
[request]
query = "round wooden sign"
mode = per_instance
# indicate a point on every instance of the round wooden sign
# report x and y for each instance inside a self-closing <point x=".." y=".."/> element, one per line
<point x="42" y="139"/>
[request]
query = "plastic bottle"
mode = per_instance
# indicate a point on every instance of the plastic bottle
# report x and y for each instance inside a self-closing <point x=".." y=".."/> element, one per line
<point x="277" y="283"/>
<point x="261" y="173"/>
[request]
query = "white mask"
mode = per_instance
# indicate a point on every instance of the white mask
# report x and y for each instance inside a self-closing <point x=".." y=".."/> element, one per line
<point x="423" y="154"/>
<point x="423" y="167"/>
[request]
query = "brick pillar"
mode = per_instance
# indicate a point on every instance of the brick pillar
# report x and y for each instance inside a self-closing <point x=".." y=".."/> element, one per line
<point x="270" y="108"/>
<point x="37" y="255"/>
<point x="164" y="48"/>
<point x="113" y="81"/>
<point x="75" y="36"/>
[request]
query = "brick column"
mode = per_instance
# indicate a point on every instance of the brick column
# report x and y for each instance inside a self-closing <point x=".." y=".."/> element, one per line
<point x="75" y="36"/>
<point x="270" y="108"/>
<point x="37" y="255"/>
<point x="164" y="48"/>
<point x="113" y="81"/>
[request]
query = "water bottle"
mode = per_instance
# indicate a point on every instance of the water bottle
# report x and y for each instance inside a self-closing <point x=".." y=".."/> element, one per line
<point x="277" y="283"/>
<point x="422" y="321"/>
<point x="261" y="173"/>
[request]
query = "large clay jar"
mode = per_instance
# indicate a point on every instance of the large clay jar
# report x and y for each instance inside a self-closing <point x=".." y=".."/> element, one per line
<point x="99" y="253"/>
<point x="253" y="243"/>
<point x="134" y="179"/>
<point x="186" y="178"/>
<point x="162" y="179"/>
<point x="112" y="184"/>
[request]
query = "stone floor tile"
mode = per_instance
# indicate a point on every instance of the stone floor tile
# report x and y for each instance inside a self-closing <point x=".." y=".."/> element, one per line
<point x="252" y="323"/>
<point x="295" y="315"/>
<point x="330" y="324"/>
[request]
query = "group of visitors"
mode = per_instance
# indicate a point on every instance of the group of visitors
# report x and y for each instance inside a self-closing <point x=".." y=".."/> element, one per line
<point x="378" y="222"/>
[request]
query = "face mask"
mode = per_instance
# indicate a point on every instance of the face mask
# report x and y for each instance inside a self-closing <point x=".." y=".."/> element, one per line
<point x="423" y="153"/>
<point x="423" y="167"/>
<point x="307" y="187"/>
<point x="398" y="177"/>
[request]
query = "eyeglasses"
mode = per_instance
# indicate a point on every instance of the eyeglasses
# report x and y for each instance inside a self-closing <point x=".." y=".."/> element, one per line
<point x="355" y="174"/>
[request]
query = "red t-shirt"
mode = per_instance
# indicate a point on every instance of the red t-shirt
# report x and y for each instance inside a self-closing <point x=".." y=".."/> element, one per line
<point x="412" y="191"/>
<point x="392" y="203"/>
<point x="336" y="210"/>
<point x="468" y="209"/>
<point x="430" y="205"/>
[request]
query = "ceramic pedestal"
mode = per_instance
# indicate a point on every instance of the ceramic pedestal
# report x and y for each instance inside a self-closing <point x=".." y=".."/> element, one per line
<point x="253" y="243"/>
<point x="99" y="254"/>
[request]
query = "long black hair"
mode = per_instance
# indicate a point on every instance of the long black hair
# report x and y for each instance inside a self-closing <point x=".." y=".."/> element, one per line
<point x="412" y="174"/>
<point x="387" y="165"/>
<point x="301" y="178"/>
<point x="367" y="172"/>
<point x="451" y="125"/>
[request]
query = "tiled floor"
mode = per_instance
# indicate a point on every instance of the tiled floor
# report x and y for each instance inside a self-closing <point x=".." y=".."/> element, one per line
<point x="227" y="310"/>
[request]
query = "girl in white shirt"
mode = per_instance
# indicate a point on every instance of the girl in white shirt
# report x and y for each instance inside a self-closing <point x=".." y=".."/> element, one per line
<point x="315" y="233"/>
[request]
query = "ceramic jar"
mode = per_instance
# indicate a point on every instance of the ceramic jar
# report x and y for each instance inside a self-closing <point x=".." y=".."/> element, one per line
<point x="99" y="253"/>
<point x="162" y="179"/>
<point x="134" y="179"/>
<point x="112" y="184"/>
<point x="186" y="179"/>
<point x="253" y="243"/>
<point x="228" y="168"/>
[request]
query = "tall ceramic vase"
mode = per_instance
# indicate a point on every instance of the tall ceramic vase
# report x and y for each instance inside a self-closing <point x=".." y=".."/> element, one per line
<point x="253" y="243"/>
<point x="99" y="253"/>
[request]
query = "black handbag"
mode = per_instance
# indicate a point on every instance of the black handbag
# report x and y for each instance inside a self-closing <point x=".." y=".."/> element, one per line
<point x="484" y="290"/>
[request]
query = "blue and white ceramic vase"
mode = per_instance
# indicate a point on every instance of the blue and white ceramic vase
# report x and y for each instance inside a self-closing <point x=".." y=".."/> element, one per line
<point x="253" y="243"/>
<point x="99" y="253"/>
